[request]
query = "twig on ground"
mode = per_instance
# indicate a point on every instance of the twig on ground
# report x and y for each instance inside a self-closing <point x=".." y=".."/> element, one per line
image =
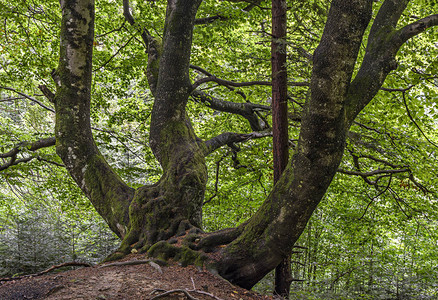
<point x="173" y="292"/>
<point x="67" y="264"/>
<point x="185" y="291"/>
<point x="127" y="263"/>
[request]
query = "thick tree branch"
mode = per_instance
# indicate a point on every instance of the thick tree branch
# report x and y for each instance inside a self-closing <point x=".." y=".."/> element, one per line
<point x="282" y="217"/>
<point x="173" y="86"/>
<point x="384" y="42"/>
<point x="230" y="138"/>
<point x="25" y="146"/>
<point x="67" y="264"/>
<point x="43" y="143"/>
<point x="209" y="20"/>
<point x="48" y="93"/>
<point x="387" y="18"/>
<point x="414" y="29"/>
<point x="153" y="46"/>
<point x="246" y="110"/>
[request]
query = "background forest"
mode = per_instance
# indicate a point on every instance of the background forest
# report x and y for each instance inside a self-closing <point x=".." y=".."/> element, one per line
<point x="374" y="235"/>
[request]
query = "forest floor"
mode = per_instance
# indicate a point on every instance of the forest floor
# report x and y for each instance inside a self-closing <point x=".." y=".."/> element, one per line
<point x="131" y="278"/>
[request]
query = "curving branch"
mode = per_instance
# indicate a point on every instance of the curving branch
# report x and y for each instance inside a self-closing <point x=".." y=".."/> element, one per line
<point x="252" y="3"/>
<point x="415" y="123"/>
<point x="387" y="18"/>
<point x="145" y="35"/>
<point x="381" y="173"/>
<point x="381" y="192"/>
<point x="201" y="70"/>
<point x="28" y="97"/>
<point x="384" y="42"/>
<point x="228" y="138"/>
<point x="413" y="29"/>
<point x="115" y="54"/>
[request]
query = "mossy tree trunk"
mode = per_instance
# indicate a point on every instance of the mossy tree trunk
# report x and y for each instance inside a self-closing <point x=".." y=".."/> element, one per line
<point x="148" y="217"/>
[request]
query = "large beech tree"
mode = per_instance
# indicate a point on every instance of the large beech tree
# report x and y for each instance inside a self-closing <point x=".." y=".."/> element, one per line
<point x="149" y="218"/>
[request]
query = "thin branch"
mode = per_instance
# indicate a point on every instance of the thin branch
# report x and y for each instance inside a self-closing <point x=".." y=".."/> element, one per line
<point x="397" y="89"/>
<point x="12" y="99"/>
<point x="28" y="97"/>
<point x="372" y="173"/>
<point x="397" y="201"/>
<point x="13" y="161"/>
<point x="115" y="54"/>
<point x="229" y="82"/>
<point x="419" y="185"/>
<point x="111" y="31"/>
<point x="50" y="162"/>
<point x="145" y="35"/>
<point x="375" y="197"/>
<point x="127" y="263"/>
<point x="415" y="123"/>
<point x="199" y="69"/>
<point x="382" y="161"/>
<point x="216" y="182"/>
<point x="241" y="84"/>
<point x="185" y="292"/>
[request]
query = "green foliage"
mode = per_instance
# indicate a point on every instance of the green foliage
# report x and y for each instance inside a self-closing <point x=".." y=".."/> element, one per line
<point x="364" y="242"/>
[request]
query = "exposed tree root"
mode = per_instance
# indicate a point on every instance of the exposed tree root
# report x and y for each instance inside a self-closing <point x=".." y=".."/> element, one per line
<point x="222" y="237"/>
<point x="154" y="263"/>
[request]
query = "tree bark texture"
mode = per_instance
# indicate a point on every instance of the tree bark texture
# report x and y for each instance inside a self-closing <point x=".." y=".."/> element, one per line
<point x="148" y="218"/>
<point x="283" y="273"/>
<point x="74" y="142"/>
<point x="272" y="231"/>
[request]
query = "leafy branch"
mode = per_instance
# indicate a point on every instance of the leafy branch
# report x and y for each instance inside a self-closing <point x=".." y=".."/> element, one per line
<point x="26" y="146"/>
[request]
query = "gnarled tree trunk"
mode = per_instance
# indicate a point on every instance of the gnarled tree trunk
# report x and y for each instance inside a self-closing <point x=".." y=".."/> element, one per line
<point x="149" y="217"/>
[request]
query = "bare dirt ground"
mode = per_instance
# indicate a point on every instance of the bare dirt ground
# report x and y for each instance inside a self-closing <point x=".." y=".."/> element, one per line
<point x="127" y="280"/>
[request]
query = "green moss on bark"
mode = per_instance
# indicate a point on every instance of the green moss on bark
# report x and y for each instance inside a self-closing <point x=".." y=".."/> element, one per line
<point x="184" y="255"/>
